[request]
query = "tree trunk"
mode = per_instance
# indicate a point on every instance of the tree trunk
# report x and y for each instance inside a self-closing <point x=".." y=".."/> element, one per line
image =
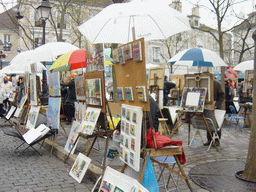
<point x="250" y="167"/>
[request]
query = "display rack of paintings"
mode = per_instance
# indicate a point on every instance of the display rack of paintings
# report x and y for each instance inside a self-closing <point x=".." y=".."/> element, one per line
<point x="89" y="120"/>
<point x="33" y="90"/>
<point x="80" y="167"/>
<point x="54" y="84"/>
<point x="193" y="99"/>
<point x="118" y="182"/>
<point x="80" y="88"/>
<point x="131" y="123"/>
<point x="32" y="117"/>
<point x="53" y="112"/>
<point x="70" y="145"/>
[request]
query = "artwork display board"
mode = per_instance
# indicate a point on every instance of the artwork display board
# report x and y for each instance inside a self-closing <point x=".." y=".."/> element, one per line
<point x="53" y="112"/>
<point x="202" y="80"/>
<point x="80" y="88"/>
<point x="33" y="90"/>
<point x="54" y="84"/>
<point x="157" y="72"/>
<point x="80" y="109"/>
<point x="132" y="73"/>
<point x="89" y="120"/>
<point x="98" y="94"/>
<point x="80" y="167"/>
<point x="130" y="142"/>
<point x="73" y="134"/>
<point x="32" y="117"/>
<point x="114" y="181"/>
<point x="193" y="99"/>
<point x="20" y="106"/>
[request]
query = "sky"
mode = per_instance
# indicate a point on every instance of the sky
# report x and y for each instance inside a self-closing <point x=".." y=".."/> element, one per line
<point x="207" y="18"/>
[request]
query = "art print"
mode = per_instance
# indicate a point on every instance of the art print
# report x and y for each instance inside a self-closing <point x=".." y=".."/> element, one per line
<point x="80" y="110"/>
<point x="120" y="53"/>
<point x="120" y="93"/>
<point x="89" y="121"/>
<point x="54" y="84"/>
<point x="116" y="181"/>
<point x="53" y="112"/>
<point x="32" y="117"/>
<point x="115" y="57"/>
<point x="33" y="90"/>
<point x="93" y="92"/>
<point x="80" y="88"/>
<point x="131" y="135"/>
<point x="123" y="112"/>
<point x="132" y="158"/>
<point x="128" y="93"/>
<point x="128" y="51"/>
<point x="73" y="134"/>
<point x="193" y="99"/>
<point x="137" y="52"/>
<point x="122" y="139"/>
<point x="141" y="93"/>
<point x="80" y="167"/>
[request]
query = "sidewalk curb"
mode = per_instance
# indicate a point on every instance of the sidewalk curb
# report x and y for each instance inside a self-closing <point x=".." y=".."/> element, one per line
<point x="93" y="171"/>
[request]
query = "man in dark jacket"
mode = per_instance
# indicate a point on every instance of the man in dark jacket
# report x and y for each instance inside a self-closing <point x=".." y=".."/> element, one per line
<point x="167" y="87"/>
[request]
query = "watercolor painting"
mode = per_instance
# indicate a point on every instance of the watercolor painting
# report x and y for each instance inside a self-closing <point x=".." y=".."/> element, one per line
<point x="80" y="167"/>
<point x="53" y="112"/>
<point x="32" y="117"/>
<point x="54" y="84"/>
<point x="80" y="88"/>
<point x="93" y="92"/>
<point x="73" y="134"/>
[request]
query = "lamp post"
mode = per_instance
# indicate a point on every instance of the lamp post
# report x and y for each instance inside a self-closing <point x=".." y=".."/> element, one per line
<point x="2" y="55"/>
<point x="43" y="11"/>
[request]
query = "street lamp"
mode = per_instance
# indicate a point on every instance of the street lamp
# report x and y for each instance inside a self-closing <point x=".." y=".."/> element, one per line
<point x="43" y="11"/>
<point x="2" y="55"/>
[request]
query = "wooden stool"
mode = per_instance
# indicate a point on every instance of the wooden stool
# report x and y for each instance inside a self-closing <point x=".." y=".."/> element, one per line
<point x="163" y="126"/>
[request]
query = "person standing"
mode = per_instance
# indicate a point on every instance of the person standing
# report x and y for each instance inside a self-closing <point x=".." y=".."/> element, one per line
<point x="7" y="87"/>
<point x="219" y="97"/>
<point x="167" y="87"/>
<point x="241" y="92"/>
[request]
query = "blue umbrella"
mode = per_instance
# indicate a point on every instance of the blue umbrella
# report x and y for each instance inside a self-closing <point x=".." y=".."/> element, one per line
<point x="199" y="57"/>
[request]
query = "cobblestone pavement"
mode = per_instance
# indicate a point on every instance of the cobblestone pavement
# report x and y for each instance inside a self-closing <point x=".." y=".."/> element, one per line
<point x="31" y="172"/>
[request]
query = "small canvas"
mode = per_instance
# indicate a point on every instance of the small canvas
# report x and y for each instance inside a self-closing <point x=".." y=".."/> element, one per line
<point x="53" y="112"/>
<point x="80" y="167"/>
<point x="120" y="93"/>
<point x="20" y="106"/>
<point x="115" y="57"/>
<point x="80" y="88"/>
<point x="120" y="53"/>
<point x="80" y="109"/>
<point x="128" y="51"/>
<point x="128" y="93"/>
<point x="93" y="92"/>
<point x="32" y="117"/>
<point x="141" y="93"/>
<point x="33" y="90"/>
<point x="137" y="52"/>
<point x="193" y="99"/>
<point x="54" y="84"/>
<point x="73" y="134"/>
<point x="115" y="181"/>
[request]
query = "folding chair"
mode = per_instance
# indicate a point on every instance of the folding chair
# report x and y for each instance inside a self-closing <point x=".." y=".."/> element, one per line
<point x="168" y="160"/>
<point x="198" y="123"/>
<point x="234" y="116"/>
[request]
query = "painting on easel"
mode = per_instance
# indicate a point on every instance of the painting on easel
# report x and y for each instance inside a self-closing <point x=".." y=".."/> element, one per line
<point x="32" y="117"/>
<point x="53" y="112"/>
<point x="80" y="88"/>
<point x="33" y="90"/>
<point x="72" y="137"/>
<point x="93" y="91"/>
<point x="193" y="99"/>
<point x="54" y="84"/>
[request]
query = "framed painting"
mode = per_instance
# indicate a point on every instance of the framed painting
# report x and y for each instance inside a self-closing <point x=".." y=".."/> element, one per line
<point x="193" y="99"/>
<point x="80" y="167"/>
<point x="54" y="84"/>
<point x="73" y="134"/>
<point x="93" y="91"/>
<point x="53" y="112"/>
<point x="80" y="88"/>
<point x="33" y="90"/>
<point x="32" y="117"/>
<point x="20" y="106"/>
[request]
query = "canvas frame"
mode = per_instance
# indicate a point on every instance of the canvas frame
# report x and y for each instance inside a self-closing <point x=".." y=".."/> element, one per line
<point x="32" y="117"/>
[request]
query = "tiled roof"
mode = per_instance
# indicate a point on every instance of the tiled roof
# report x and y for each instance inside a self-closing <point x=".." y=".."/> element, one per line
<point x="8" y="19"/>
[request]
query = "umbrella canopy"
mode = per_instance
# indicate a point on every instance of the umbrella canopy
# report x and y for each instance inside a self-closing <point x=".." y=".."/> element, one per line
<point x="198" y="57"/>
<point x="14" y="68"/>
<point x="49" y="51"/>
<point x="115" y="23"/>
<point x="23" y="58"/>
<point x="245" y="65"/>
<point x="70" y="61"/>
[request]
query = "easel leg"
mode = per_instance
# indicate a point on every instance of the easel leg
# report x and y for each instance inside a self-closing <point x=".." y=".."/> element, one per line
<point x="182" y="172"/>
<point x="143" y="169"/>
<point x="71" y="149"/>
<point x="53" y="142"/>
<point x="90" y="149"/>
<point x="105" y="153"/>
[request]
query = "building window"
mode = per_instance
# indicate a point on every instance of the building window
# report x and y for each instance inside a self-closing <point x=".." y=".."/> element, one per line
<point x="156" y="54"/>
<point x="7" y="42"/>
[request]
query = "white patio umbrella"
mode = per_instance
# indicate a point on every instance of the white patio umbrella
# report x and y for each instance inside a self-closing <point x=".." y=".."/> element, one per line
<point x="21" y="68"/>
<point x="23" y="57"/>
<point x="115" y="23"/>
<point x="49" y="51"/>
<point x="245" y="65"/>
